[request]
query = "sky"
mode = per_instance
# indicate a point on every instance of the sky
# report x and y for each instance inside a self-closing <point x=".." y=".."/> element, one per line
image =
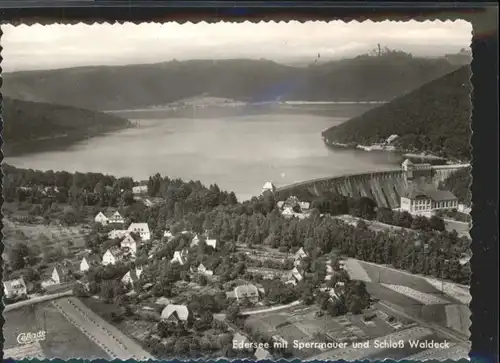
<point x="61" y="46"/>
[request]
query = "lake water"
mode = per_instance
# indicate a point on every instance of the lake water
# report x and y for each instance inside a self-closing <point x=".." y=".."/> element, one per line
<point x="238" y="153"/>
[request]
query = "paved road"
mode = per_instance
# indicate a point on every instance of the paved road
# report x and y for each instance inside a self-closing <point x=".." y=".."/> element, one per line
<point x="274" y="308"/>
<point x="116" y="344"/>
<point x="37" y="299"/>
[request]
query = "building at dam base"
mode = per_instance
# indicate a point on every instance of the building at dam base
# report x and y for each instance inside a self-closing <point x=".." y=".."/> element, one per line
<point x="386" y="188"/>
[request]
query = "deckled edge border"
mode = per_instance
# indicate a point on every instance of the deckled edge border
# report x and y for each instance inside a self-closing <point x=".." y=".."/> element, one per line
<point x="480" y="29"/>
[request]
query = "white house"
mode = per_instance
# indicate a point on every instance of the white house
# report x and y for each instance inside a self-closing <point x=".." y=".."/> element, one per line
<point x="140" y="189"/>
<point x="129" y="244"/>
<point x="249" y="291"/>
<point x="101" y="218"/>
<point x="132" y="276"/>
<point x="112" y="256"/>
<point x="175" y="313"/>
<point x="195" y="241"/>
<point x="87" y="262"/>
<point x="300" y="253"/>
<point x="204" y="271"/>
<point x="60" y="274"/>
<point x="212" y="243"/>
<point x="268" y="187"/>
<point x="142" y="229"/>
<point x="116" y="218"/>
<point x="14" y="288"/>
<point x="180" y="257"/>
<point x="117" y="233"/>
<point x="297" y="275"/>
<point x="167" y="234"/>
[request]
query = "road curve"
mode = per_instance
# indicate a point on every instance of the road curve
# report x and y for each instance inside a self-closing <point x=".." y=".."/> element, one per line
<point x="116" y="344"/>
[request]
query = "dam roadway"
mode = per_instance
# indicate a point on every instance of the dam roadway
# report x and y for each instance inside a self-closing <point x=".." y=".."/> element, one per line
<point x="384" y="187"/>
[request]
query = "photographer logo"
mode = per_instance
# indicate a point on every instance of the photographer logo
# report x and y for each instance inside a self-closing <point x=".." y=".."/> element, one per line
<point x="28" y="338"/>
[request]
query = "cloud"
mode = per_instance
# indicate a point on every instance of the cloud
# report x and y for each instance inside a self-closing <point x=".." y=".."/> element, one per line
<point x="57" y="45"/>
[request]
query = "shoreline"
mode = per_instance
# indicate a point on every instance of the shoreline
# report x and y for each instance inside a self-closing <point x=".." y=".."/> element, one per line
<point x="57" y="142"/>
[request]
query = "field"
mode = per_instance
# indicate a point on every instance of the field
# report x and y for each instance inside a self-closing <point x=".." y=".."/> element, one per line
<point x="418" y="296"/>
<point x="63" y="339"/>
<point x="300" y="323"/>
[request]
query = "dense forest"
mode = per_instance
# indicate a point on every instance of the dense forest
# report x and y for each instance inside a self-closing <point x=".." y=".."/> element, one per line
<point x="433" y="118"/>
<point x="364" y="78"/>
<point x="29" y="125"/>
<point x="194" y="207"/>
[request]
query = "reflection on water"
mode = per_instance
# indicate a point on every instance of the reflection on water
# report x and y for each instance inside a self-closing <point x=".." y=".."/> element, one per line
<point x="237" y="153"/>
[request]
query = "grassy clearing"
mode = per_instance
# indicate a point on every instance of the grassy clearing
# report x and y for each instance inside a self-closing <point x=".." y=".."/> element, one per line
<point x="63" y="339"/>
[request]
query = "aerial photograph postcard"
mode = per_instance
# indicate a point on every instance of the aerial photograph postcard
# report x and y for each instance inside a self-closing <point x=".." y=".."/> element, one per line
<point x="237" y="190"/>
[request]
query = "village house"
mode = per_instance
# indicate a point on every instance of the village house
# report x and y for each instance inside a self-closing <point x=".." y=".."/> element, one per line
<point x="116" y="218"/>
<point x="101" y="218"/>
<point x="142" y="229"/>
<point x="299" y="256"/>
<point x="112" y="256"/>
<point x="117" y="233"/>
<point x="304" y="206"/>
<point x="129" y="244"/>
<point x="167" y="234"/>
<point x="131" y="277"/>
<point x="204" y="271"/>
<point x="140" y="189"/>
<point x="87" y="262"/>
<point x="212" y="243"/>
<point x="297" y="274"/>
<point x="195" y="241"/>
<point x="15" y="288"/>
<point x="60" y="274"/>
<point x="268" y="187"/>
<point x="249" y="291"/>
<point x="331" y="292"/>
<point x="180" y="257"/>
<point x="428" y="201"/>
<point x="175" y="313"/>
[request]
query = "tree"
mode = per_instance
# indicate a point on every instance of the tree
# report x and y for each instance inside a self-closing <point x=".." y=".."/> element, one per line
<point x="19" y="256"/>
<point x="437" y="223"/>
<point x="233" y="312"/>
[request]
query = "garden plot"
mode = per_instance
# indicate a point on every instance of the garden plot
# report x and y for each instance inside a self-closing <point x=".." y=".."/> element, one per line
<point x="426" y="299"/>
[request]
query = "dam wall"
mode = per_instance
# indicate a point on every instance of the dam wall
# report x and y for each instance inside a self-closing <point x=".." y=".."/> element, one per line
<point x="384" y="187"/>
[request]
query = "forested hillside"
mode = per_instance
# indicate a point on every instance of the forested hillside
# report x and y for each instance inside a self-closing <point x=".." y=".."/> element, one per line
<point x="434" y="118"/>
<point x="459" y="184"/>
<point x="363" y="78"/>
<point x="29" y="124"/>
